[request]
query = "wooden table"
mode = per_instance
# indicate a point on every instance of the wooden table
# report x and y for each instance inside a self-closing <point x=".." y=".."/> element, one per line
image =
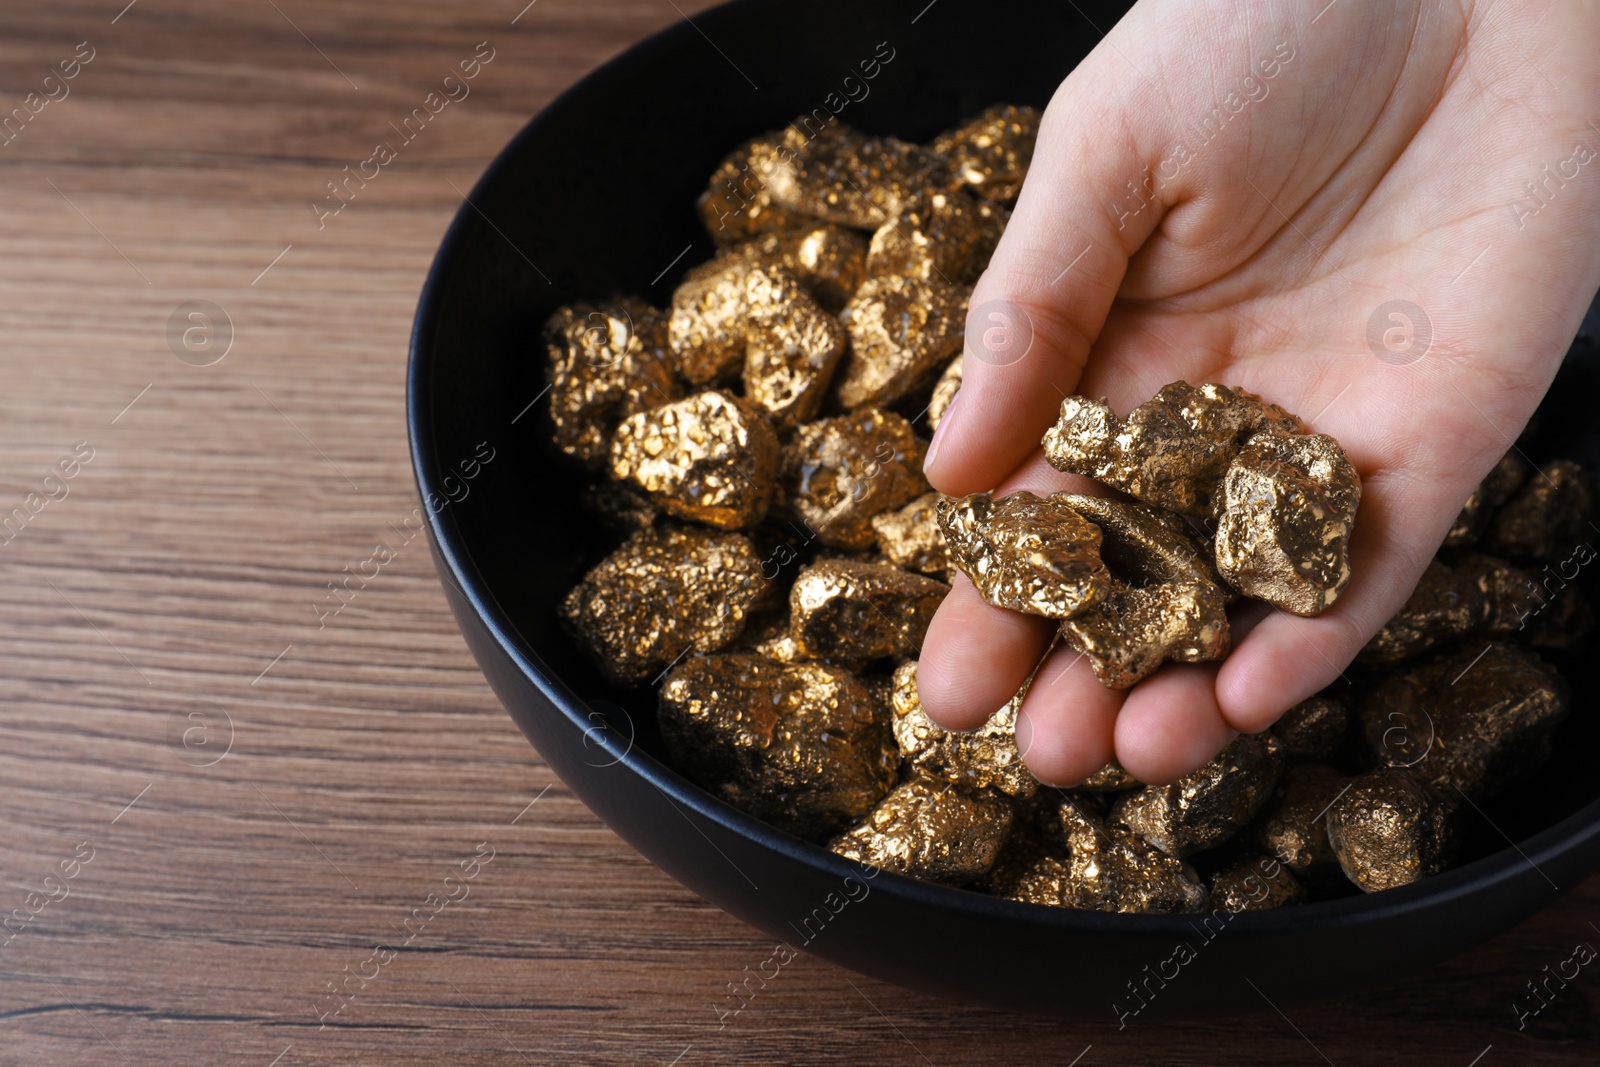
<point x="219" y="796"/>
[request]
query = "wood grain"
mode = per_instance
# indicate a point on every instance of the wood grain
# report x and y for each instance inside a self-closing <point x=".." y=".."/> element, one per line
<point x="163" y="613"/>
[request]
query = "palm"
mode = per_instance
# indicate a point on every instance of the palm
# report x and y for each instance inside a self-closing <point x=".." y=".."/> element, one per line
<point x="1276" y="249"/>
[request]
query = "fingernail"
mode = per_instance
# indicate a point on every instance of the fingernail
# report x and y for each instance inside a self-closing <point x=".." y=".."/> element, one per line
<point x="942" y="432"/>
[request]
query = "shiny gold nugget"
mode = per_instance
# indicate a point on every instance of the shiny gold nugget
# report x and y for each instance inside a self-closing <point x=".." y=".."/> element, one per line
<point x="838" y="473"/>
<point x="707" y="328"/>
<point x="944" y="392"/>
<point x="910" y="537"/>
<point x="1315" y="729"/>
<point x="902" y="330"/>
<point x="1291" y="828"/>
<point x="804" y="747"/>
<point x="1549" y="518"/>
<point x="930" y="829"/>
<point x="1468" y="723"/>
<point x="1289" y="506"/>
<point x="606" y="362"/>
<point x="861" y="610"/>
<point x="1255" y="883"/>
<point x="1093" y="867"/>
<point x="1387" y="831"/>
<point x="737" y="206"/>
<point x="710" y="457"/>
<point x="830" y="261"/>
<point x="844" y="176"/>
<point x="1443" y="606"/>
<point x="1026" y="553"/>
<point x="945" y="237"/>
<point x="1109" y="779"/>
<point x="1205" y="807"/>
<point x="1146" y="546"/>
<point x="1171" y="451"/>
<point x="990" y="152"/>
<point x="794" y="347"/>
<point x="1495" y="489"/>
<point x="977" y="759"/>
<point x="665" y="591"/>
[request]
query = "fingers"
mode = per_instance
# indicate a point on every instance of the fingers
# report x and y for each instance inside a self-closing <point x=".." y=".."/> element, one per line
<point x="1171" y="724"/>
<point x="1050" y="284"/>
<point x="1064" y="730"/>
<point x="976" y="657"/>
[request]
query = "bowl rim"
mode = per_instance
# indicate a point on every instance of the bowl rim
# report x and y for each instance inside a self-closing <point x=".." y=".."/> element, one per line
<point x="1570" y="834"/>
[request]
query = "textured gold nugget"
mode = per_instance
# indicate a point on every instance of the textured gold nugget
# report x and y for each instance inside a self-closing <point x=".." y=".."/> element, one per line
<point x="976" y="759"/>
<point x="1255" y="883"/>
<point x="1387" y="831"/>
<point x="991" y="152"/>
<point x="706" y="330"/>
<point x="844" y="176"/>
<point x="1093" y="867"/>
<point x="793" y="347"/>
<point x="1164" y="603"/>
<point x="804" y="747"/>
<point x="1549" y="518"/>
<point x="1495" y="489"/>
<point x="859" y="610"/>
<point x="945" y="237"/>
<point x="607" y="362"/>
<point x="1291" y="829"/>
<point x="910" y="537"/>
<point x="1467" y="723"/>
<point x="928" y="828"/>
<point x="1026" y="553"/>
<point x="1315" y="729"/>
<point x="665" y="591"/>
<point x="1172" y="450"/>
<point x="737" y="206"/>
<point x="944" y="392"/>
<point x="838" y="473"/>
<point x="710" y="457"/>
<point x="1205" y="807"/>
<point x="902" y="330"/>
<point x="1288" y="508"/>
<point x="1480" y="595"/>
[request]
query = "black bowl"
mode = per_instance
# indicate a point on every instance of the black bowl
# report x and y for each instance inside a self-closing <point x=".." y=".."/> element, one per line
<point x="594" y="197"/>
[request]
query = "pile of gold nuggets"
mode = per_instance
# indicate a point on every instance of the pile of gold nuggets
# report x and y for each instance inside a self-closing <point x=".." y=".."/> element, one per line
<point x="755" y="444"/>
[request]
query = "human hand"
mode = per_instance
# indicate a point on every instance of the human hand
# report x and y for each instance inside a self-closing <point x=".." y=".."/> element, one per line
<point x="1233" y="192"/>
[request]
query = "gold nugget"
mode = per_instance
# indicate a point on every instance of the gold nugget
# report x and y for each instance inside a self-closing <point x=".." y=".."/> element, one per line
<point x="1255" y="883"/>
<point x="665" y="591"/>
<point x="804" y="747"/>
<point x="861" y="610"/>
<point x="844" y="176"/>
<point x="1469" y="723"/>
<point x="1171" y="451"/>
<point x="977" y="759"/>
<point x="1291" y="828"/>
<point x="944" y="392"/>
<point x="710" y="457"/>
<point x="945" y="237"/>
<point x="910" y="537"/>
<point x="1026" y="553"/>
<point x="707" y="328"/>
<point x="736" y="206"/>
<point x="930" y="829"/>
<point x="1549" y="518"/>
<point x="840" y="472"/>
<point x="1443" y="606"/>
<point x="1205" y="807"/>
<point x="606" y="362"/>
<point x="1387" y="831"/>
<point x="1090" y="866"/>
<point x="1109" y="779"/>
<point x="829" y="261"/>
<point x="1495" y="489"/>
<point x="1315" y="729"/>
<point x="794" y="346"/>
<point x="902" y="330"/>
<point x="990" y="152"/>
<point x="1289" y="506"/>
